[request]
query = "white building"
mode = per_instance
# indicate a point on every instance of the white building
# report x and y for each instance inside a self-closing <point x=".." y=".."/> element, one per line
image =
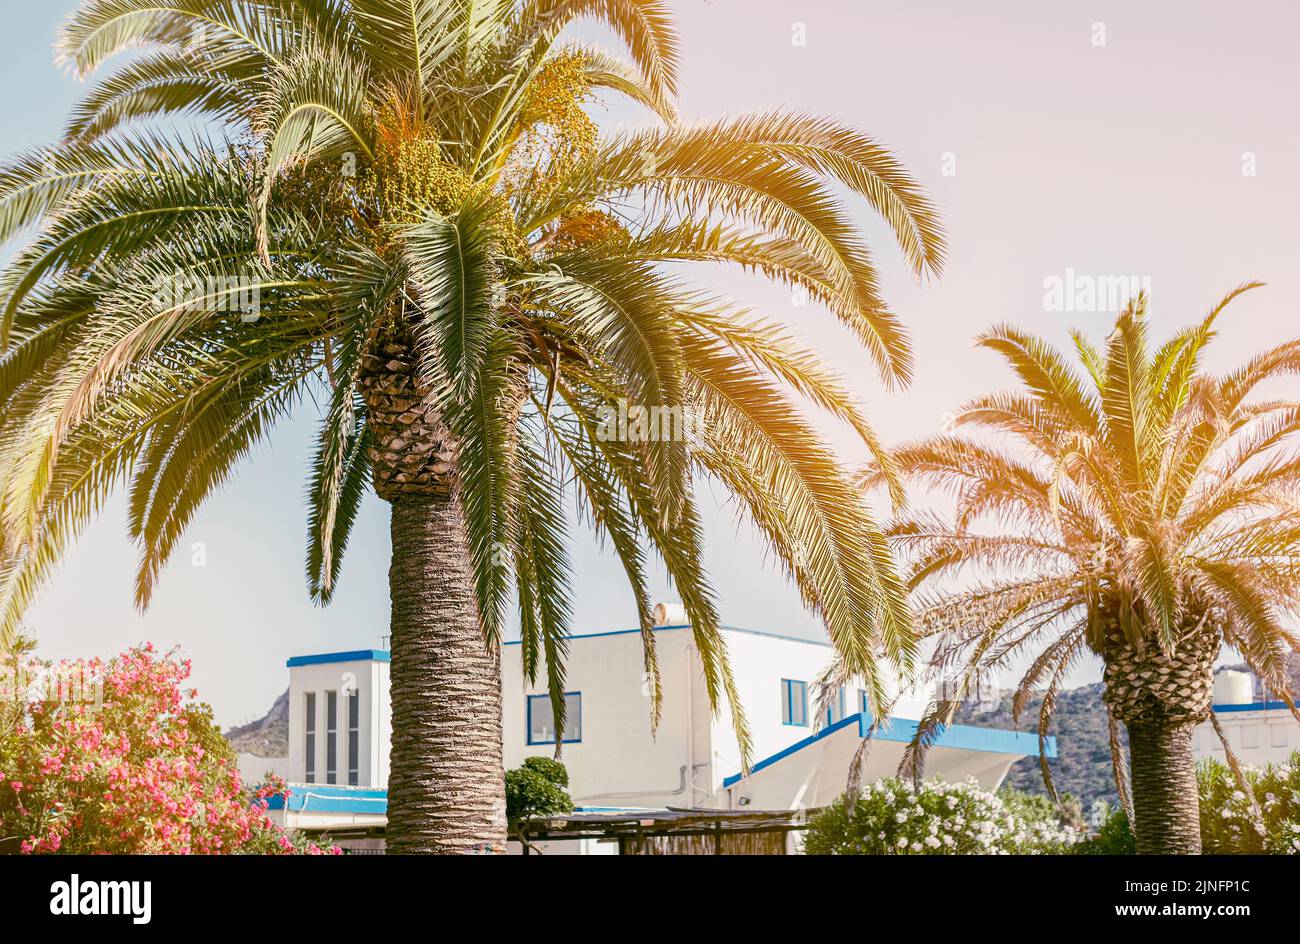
<point x="339" y="723"/>
<point x="1259" y="732"/>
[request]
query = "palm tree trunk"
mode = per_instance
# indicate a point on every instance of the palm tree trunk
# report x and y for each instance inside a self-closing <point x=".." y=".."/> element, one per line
<point x="1166" y="808"/>
<point x="446" y="786"/>
<point x="446" y="791"/>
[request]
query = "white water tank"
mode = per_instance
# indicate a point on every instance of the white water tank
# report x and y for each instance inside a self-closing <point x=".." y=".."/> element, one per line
<point x="1234" y="688"/>
<point x="670" y="614"/>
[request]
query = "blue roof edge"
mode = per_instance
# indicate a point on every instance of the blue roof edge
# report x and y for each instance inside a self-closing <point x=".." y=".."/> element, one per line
<point x="325" y="658"/>
<point x="735" y="629"/>
<point x="380" y="655"/>
<point x="1254" y="706"/>
<point x="958" y="736"/>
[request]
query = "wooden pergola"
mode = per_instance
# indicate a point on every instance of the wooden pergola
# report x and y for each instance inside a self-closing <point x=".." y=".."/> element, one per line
<point x="675" y="831"/>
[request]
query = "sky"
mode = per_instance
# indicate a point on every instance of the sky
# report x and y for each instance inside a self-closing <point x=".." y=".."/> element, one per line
<point x="1156" y="141"/>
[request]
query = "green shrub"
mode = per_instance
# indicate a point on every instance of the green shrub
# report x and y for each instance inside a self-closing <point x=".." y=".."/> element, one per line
<point x="1229" y="824"/>
<point x="890" y="817"/>
<point x="549" y="768"/>
<point x="1113" y="836"/>
<point x="538" y="788"/>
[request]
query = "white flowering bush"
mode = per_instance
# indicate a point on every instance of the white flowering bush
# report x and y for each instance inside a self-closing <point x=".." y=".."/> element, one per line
<point x="1230" y="824"/>
<point x="891" y="817"/>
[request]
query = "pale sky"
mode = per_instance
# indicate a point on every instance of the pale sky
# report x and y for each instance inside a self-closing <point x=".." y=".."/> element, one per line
<point x="1122" y="157"/>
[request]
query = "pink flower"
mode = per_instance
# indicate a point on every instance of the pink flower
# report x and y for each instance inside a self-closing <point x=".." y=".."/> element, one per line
<point x="134" y="776"/>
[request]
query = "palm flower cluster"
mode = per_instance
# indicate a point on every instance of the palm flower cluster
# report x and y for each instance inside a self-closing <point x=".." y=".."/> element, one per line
<point x="452" y="260"/>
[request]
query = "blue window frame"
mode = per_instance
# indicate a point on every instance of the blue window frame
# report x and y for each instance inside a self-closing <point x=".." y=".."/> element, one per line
<point x="794" y="703"/>
<point x="541" y="719"/>
<point x="864" y="703"/>
<point x="838" y="710"/>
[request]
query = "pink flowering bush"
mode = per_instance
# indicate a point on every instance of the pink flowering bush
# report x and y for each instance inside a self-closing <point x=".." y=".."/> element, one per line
<point x="141" y="770"/>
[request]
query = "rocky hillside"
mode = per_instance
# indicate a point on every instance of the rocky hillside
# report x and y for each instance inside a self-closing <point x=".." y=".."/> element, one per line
<point x="266" y="737"/>
<point x="1082" y="767"/>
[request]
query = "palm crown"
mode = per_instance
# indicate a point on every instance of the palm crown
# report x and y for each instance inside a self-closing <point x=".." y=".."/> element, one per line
<point x="445" y="249"/>
<point x="1147" y="514"/>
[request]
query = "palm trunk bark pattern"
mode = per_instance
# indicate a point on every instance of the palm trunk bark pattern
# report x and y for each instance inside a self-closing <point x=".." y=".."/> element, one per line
<point x="446" y="787"/>
<point x="446" y="792"/>
<point x="1166" y="809"/>
<point x="1161" y="697"/>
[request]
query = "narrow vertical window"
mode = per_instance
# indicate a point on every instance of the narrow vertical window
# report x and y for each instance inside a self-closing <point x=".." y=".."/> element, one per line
<point x="331" y="737"/>
<point x="794" y="702"/>
<point x="838" y="708"/>
<point x="354" y="737"/>
<point x="311" y="737"/>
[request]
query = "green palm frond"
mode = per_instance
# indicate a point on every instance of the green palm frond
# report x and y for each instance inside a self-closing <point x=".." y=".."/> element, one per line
<point x="428" y="173"/>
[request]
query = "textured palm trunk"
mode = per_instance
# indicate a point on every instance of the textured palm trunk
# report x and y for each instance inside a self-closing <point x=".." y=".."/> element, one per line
<point x="1166" y="810"/>
<point x="446" y="787"/>
<point x="1161" y="697"/>
<point x="446" y="792"/>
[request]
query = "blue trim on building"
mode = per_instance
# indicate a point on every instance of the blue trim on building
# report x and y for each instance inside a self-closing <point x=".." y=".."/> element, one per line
<point x="658" y="629"/>
<point x="1254" y="706"/>
<point x="380" y="655"/>
<point x="963" y="737"/>
<point x="325" y="658"/>
<point x="319" y="798"/>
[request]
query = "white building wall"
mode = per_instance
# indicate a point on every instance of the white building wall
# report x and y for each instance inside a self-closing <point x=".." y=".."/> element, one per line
<point x="370" y="679"/>
<point x="1258" y="736"/>
<point x="619" y="760"/>
<point x="760" y="663"/>
<point x="254" y="770"/>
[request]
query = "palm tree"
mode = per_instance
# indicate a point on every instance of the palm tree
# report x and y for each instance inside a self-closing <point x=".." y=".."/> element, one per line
<point x="1146" y="514"/>
<point x="401" y="209"/>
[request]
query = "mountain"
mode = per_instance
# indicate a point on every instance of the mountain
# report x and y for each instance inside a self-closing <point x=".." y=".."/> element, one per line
<point x="266" y="737"/>
<point x="1082" y="767"/>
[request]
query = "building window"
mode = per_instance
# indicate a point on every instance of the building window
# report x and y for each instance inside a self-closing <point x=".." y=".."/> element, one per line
<point x="1278" y="735"/>
<point x="331" y="737"/>
<point x="541" y="719"/>
<point x="838" y="709"/>
<point x="864" y="702"/>
<point x="354" y="737"/>
<point x="1249" y="736"/>
<point x="311" y="737"/>
<point x="794" y="703"/>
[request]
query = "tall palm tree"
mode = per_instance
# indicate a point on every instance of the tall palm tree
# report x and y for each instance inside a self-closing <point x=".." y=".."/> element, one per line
<point x="1147" y="514"/>
<point x="403" y="210"/>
